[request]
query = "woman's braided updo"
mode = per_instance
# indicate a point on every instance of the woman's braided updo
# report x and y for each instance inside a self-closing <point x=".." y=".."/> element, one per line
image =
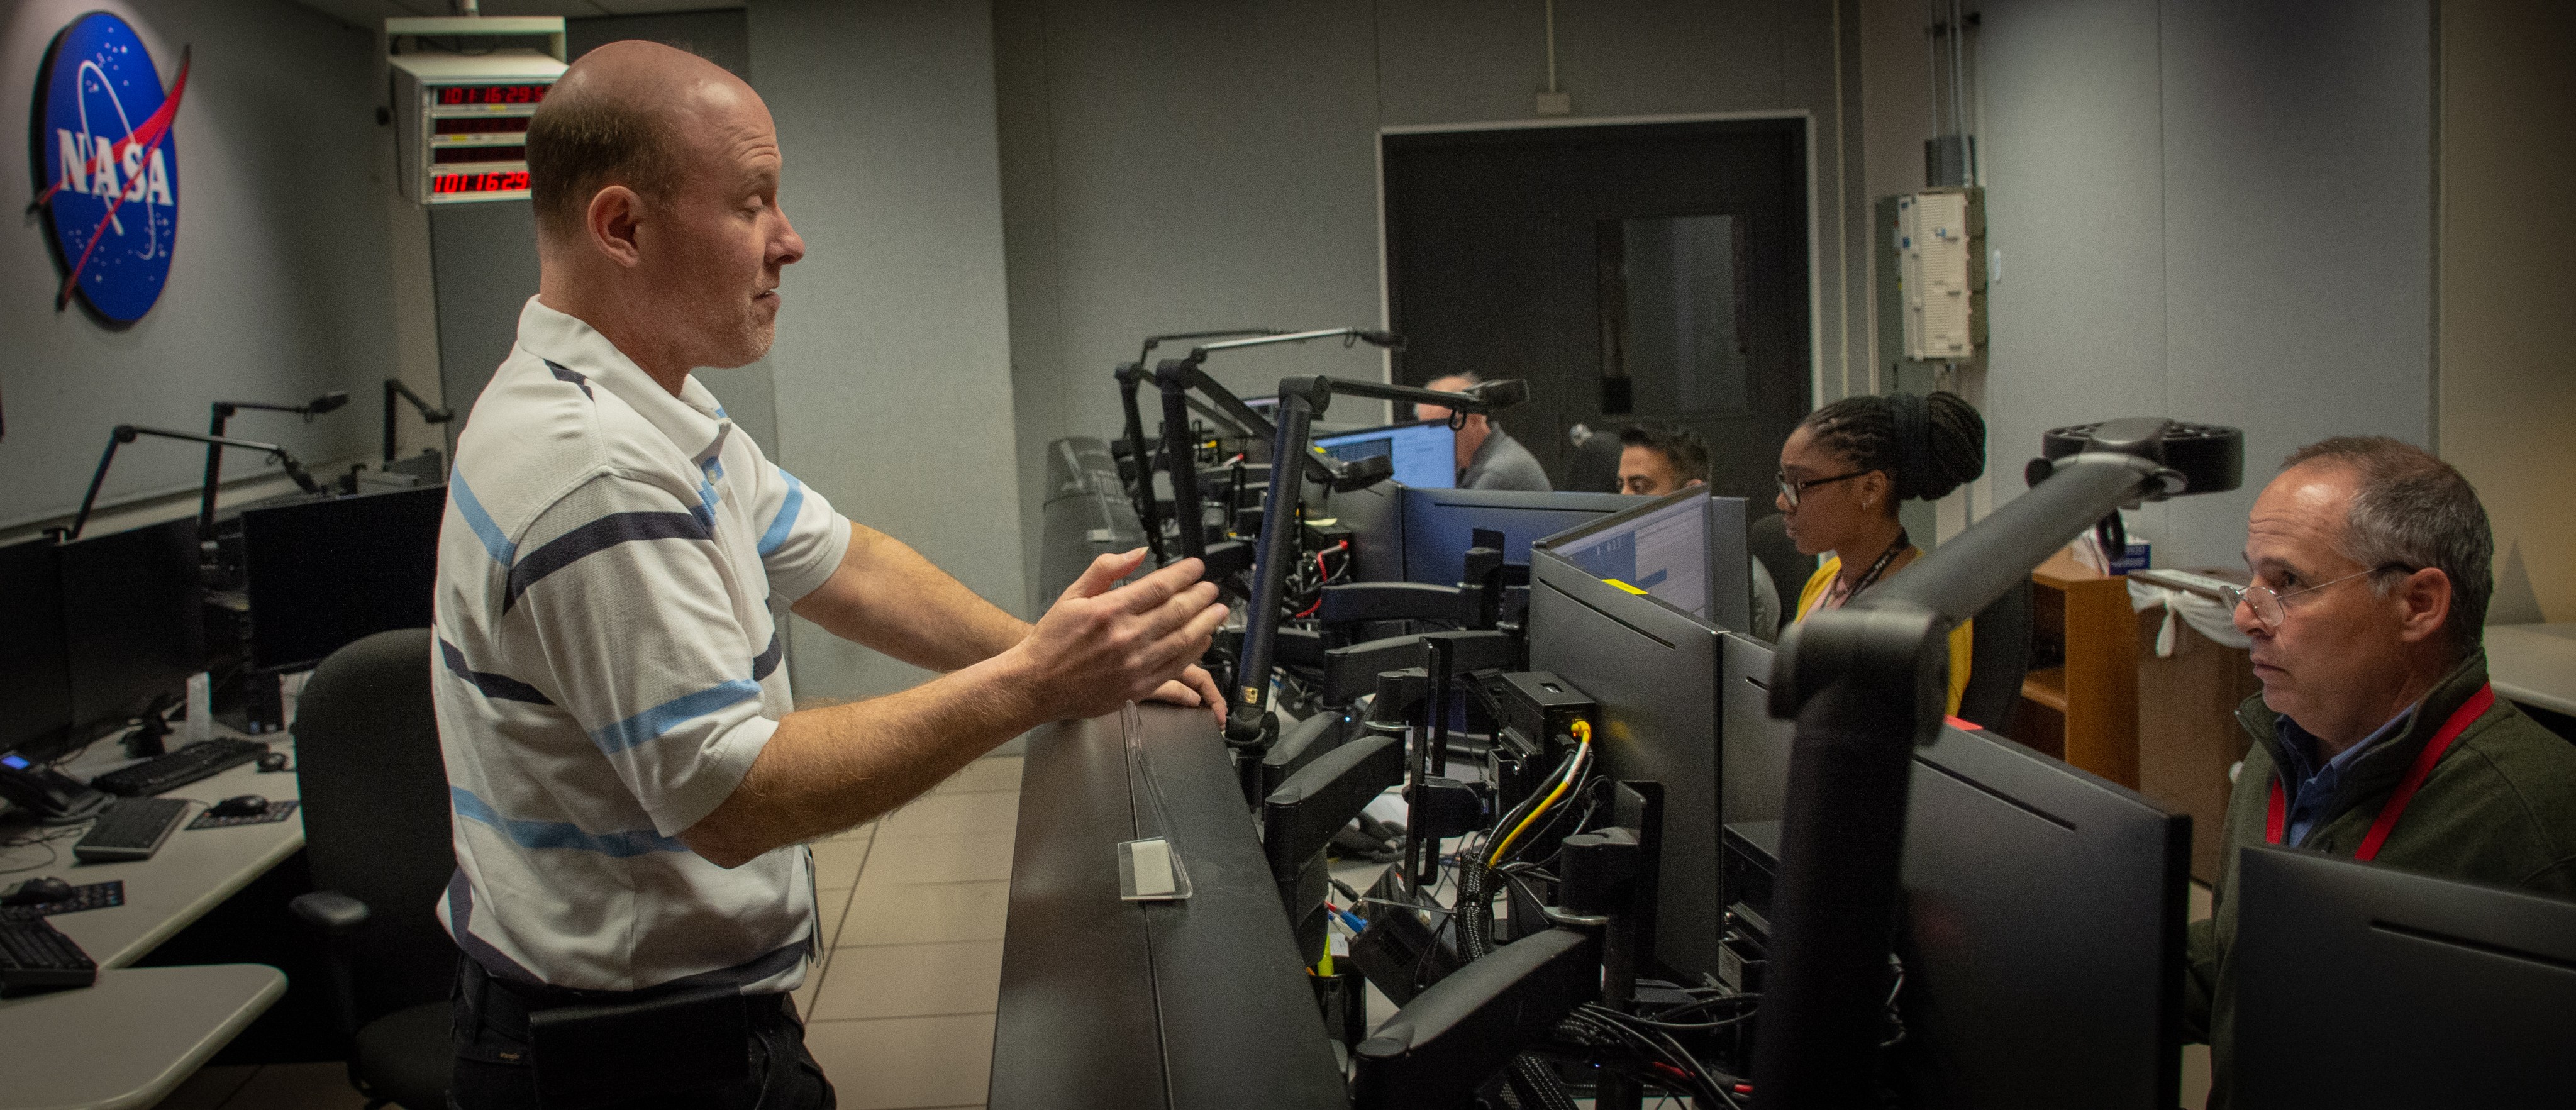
<point x="1927" y="445"/>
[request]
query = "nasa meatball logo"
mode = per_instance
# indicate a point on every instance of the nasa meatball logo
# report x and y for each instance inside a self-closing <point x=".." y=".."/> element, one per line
<point x="107" y="169"/>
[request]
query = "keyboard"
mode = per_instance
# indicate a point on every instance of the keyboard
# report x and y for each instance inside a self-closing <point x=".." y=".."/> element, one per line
<point x="131" y="829"/>
<point x="202" y="760"/>
<point x="35" y="956"/>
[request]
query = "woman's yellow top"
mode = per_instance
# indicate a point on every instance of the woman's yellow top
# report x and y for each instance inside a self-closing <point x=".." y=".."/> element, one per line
<point x="1960" y="637"/>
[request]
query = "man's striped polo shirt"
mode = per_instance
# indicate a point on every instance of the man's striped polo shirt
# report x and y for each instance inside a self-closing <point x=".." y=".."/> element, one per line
<point x="613" y="572"/>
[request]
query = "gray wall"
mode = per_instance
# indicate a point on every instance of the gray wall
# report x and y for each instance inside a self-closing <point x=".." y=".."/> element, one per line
<point x="278" y="290"/>
<point x="892" y="367"/>
<point x="2216" y="211"/>
<point x="1178" y="167"/>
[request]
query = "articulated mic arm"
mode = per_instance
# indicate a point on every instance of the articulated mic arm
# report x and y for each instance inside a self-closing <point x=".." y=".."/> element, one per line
<point x="125" y="433"/>
<point x="1866" y="683"/>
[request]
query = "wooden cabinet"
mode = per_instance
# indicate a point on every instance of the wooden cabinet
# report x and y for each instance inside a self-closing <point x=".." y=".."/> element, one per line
<point x="2080" y="700"/>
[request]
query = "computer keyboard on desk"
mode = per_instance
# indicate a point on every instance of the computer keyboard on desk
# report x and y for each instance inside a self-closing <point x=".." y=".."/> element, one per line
<point x="35" y="956"/>
<point x="202" y="760"/>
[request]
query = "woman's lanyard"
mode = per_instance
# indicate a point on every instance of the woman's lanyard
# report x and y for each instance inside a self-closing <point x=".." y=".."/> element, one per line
<point x="1832" y="600"/>
<point x="2470" y="710"/>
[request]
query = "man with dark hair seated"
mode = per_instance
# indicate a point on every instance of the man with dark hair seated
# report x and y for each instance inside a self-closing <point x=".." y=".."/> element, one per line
<point x="2376" y="735"/>
<point x="1656" y="459"/>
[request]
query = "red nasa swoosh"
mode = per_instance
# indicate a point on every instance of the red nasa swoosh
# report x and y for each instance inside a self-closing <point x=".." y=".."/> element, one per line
<point x="155" y="128"/>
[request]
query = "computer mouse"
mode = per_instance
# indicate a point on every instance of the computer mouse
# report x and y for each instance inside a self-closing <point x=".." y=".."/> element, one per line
<point x="273" y="761"/>
<point x="38" y="891"/>
<point x="240" y="805"/>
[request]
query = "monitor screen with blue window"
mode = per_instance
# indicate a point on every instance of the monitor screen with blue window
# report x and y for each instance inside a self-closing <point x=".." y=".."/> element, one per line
<point x="1424" y="454"/>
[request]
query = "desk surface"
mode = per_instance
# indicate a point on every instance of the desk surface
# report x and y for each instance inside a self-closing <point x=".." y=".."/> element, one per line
<point x="1107" y="1003"/>
<point x="194" y="871"/>
<point x="131" y="1038"/>
<point x="2534" y="664"/>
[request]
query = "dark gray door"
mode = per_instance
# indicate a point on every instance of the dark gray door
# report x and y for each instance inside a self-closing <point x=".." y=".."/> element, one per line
<point x="1630" y="272"/>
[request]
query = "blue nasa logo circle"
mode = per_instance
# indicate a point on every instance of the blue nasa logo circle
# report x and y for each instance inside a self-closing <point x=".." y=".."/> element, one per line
<point x="109" y="165"/>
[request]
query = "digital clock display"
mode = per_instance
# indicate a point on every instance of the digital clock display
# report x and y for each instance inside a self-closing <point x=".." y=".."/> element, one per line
<point x="491" y="94"/>
<point x="445" y="184"/>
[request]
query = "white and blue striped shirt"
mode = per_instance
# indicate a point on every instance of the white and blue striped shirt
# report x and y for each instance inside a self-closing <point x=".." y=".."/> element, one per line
<point x="613" y="572"/>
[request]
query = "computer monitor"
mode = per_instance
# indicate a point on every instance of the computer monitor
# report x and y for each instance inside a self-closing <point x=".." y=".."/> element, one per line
<point x="324" y="573"/>
<point x="2359" y="984"/>
<point x="1440" y="524"/>
<point x="1653" y="669"/>
<point x="1685" y="549"/>
<point x="1424" y="453"/>
<point x="35" y="694"/>
<point x="134" y="622"/>
<point x="1375" y="516"/>
<point x="1753" y="753"/>
<point x="2042" y="936"/>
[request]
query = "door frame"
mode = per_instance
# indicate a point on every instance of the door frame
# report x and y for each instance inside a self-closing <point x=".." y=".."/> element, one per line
<point x="1815" y="231"/>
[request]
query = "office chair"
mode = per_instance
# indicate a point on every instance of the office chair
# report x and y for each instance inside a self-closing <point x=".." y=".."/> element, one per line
<point x="1768" y="538"/>
<point x="1998" y="659"/>
<point x="376" y="833"/>
<point x="1592" y="466"/>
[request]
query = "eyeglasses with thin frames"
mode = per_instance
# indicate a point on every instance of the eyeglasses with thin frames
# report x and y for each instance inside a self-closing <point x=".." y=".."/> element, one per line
<point x="1790" y="490"/>
<point x="2271" y="607"/>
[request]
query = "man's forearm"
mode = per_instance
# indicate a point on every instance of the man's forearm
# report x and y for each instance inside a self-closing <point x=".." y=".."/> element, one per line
<point x="829" y="769"/>
<point x="887" y="597"/>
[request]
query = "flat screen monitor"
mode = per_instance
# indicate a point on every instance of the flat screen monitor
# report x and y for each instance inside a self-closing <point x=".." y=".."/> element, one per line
<point x="2360" y="985"/>
<point x="2042" y="936"/>
<point x="1685" y="549"/>
<point x="324" y="573"/>
<point x="35" y="695"/>
<point x="134" y="623"/>
<point x="1653" y="670"/>
<point x="1440" y="524"/>
<point x="1424" y="453"/>
<point x="1753" y="750"/>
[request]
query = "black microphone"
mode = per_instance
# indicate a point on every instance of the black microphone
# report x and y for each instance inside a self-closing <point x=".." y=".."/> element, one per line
<point x="1387" y="339"/>
<point x="1501" y="394"/>
<point x="326" y="402"/>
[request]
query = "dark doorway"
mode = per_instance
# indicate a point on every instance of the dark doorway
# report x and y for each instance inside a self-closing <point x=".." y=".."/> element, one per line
<point x="1627" y="272"/>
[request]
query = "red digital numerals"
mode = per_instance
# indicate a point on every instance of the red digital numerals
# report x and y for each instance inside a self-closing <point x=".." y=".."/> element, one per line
<point x="492" y="94"/>
<point x="447" y="183"/>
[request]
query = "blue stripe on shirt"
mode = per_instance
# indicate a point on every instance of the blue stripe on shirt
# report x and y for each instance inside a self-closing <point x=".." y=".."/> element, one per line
<point x="706" y="509"/>
<point x="561" y="835"/>
<point x="494" y="540"/>
<point x="651" y="724"/>
<point x="779" y="527"/>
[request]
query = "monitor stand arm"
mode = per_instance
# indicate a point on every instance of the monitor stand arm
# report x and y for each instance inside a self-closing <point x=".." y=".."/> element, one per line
<point x="1866" y="684"/>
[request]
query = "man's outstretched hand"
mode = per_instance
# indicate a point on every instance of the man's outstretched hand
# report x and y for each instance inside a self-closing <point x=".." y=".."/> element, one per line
<point x="1099" y="648"/>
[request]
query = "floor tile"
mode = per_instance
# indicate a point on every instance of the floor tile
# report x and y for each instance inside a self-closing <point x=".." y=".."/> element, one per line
<point x="836" y="862"/>
<point x="319" y="1086"/>
<point x="927" y="913"/>
<point x="912" y="980"/>
<point x="956" y="815"/>
<point x="938" y="859"/>
<point x="905" y="1062"/>
<point x="986" y="774"/>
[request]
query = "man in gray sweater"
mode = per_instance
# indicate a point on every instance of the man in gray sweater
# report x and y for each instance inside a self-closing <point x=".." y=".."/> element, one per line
<point x="1488" y="457"/>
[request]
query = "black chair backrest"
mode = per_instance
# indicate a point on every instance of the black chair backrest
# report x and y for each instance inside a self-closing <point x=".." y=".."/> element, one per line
<point x="1790" y="569"/>
<point x="376" y="812"/>
<point x="1998" y="659"/>
<point x="1593" y="465"/>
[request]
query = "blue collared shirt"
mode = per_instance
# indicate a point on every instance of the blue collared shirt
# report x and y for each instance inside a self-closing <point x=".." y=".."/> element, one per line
<point x="2311" y="786"/>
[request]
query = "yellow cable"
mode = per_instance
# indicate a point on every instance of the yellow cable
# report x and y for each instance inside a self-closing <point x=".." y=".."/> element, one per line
<point x="1583" y="738"/>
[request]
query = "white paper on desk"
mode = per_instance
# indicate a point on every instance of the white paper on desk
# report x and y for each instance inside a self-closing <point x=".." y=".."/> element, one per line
<point x="1150" y="870"/>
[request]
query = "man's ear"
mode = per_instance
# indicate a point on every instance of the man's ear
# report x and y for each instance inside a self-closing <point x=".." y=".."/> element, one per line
<point x="2423" y="601"/>
<point x="612" y="221"/>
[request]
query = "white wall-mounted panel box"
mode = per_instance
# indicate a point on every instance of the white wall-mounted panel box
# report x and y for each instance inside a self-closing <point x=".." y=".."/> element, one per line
<point x="1940" y="244"/>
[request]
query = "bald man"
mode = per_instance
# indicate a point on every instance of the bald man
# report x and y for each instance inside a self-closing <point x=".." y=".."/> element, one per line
<point x="632" y="786"/>
<point x="1488" y="457"/>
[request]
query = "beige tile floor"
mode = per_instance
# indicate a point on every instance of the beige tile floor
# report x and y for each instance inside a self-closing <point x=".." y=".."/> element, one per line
<point x="900" y="1010"/>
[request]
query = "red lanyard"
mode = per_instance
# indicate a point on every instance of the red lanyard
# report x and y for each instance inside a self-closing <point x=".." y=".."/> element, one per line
<point x="2468" y="711"/>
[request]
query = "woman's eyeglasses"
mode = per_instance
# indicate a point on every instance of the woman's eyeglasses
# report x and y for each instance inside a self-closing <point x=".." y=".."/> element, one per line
<point x="1789" y="490"/>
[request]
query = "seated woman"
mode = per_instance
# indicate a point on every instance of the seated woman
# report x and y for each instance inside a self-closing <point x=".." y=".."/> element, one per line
<point x="1842" y="473"/>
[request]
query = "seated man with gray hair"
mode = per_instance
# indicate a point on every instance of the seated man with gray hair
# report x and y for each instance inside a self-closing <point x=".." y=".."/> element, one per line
<point x="2372" y="569"/>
